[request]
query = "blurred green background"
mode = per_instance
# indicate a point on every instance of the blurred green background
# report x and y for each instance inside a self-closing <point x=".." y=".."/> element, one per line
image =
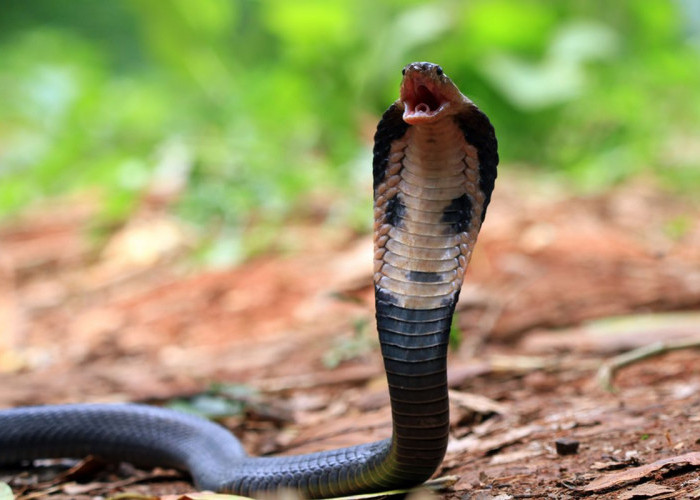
<point x="262" y="109"/>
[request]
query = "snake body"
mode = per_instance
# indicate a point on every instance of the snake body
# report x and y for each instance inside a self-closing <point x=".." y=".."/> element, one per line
<point x="434" y="167"/>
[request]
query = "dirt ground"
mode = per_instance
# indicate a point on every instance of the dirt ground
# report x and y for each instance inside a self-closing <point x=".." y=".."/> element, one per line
<point x="558" y="285"/>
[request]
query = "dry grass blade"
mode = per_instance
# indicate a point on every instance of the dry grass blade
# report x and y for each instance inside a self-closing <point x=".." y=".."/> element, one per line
<point x="606" y="373"/>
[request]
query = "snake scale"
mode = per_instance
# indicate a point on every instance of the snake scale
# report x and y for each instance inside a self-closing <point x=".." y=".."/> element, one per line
<point x="434" y="166"/>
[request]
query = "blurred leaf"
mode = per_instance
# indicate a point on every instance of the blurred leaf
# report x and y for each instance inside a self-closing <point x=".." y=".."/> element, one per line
<point x="522" y="27"/>
<point x="560" y="76"/>
<point x="346" y="349"/>
<point x="678" y="227"/>
<point x="455" y="333"/>
<point x="304" y="24"/>
<point x="584" y="41"/>
<point x="6" y="492"/>
<point x="535" y="86"/>
<point x="234" y="391"/>
<point x="209" y="406"/>
<point x="420" y="25"/>
<point x="223" y="252"/>
<point x="276" y="101"/>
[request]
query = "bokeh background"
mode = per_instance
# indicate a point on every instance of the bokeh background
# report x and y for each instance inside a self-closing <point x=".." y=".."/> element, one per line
<point x="253" y="112"/>
<point x="186" y="216"/>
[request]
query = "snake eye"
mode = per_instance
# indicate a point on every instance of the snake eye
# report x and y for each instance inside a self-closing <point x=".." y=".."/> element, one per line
<point x="439" y="71"/>
<point x="403" y="71"/>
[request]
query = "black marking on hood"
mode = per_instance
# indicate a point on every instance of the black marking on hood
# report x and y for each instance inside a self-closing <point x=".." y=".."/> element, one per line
<point x="383" y="296"/>
<point x="390" y="128"/>
<point x="458" y="214"/>
<point x="395" y="211"/>
<point x="478" y="132"/>
<point x="424" y="276"/>
<point x="451" y="300"/>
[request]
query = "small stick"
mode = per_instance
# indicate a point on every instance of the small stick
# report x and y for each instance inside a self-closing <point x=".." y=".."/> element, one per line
<point x="608" y="370"/>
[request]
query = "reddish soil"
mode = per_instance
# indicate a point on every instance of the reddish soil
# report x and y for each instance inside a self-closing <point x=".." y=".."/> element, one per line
<point x="125" y="318"/>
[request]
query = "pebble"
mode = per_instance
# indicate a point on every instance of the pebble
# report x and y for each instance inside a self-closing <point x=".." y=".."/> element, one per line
<point x="566" y="446"/>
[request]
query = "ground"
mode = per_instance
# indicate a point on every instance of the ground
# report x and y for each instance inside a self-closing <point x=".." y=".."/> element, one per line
<point x="558" y="285"/>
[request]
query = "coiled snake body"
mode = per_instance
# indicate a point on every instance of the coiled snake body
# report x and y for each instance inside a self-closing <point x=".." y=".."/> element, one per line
<point x="434" y="166"/>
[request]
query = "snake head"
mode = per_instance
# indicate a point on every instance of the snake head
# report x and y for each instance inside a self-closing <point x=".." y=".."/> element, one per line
<point x="428" y="94"/>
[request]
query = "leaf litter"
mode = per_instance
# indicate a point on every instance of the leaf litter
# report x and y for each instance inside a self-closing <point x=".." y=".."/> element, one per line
<point x="85" y="325"/>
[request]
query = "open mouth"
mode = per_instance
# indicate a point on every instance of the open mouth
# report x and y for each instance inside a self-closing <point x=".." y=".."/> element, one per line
<point x="425" y="101"/>
<point x="422" y="101"/>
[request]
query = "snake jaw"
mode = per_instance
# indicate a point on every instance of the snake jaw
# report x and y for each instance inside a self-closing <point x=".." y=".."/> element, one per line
<point x="426" y="94"/>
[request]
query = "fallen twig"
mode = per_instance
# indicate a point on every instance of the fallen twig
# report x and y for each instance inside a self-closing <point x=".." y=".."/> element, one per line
<point x="607" y="371"/>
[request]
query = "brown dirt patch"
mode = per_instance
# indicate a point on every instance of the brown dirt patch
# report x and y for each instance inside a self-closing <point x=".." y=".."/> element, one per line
<point x="87" y="322"/>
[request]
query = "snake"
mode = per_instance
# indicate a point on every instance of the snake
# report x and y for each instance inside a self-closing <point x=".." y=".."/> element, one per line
<point x="434" y="165"/>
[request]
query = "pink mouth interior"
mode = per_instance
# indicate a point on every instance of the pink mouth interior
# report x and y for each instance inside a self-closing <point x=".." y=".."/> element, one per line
<point x="424" y="100"/>
<point x="421" y="100"/>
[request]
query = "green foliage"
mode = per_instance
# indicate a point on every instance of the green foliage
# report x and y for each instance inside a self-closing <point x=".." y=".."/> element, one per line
<point x="346" y="349"/>
<point x="274" y="100"/>
<point x="678" y="227"/>
<point x="6" y="492"/>
<point x="455" y="333"/>
<point x="222" y="400"/>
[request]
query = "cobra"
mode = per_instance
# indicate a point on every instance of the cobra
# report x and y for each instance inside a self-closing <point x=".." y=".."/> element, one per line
<point x="434" y="166"/>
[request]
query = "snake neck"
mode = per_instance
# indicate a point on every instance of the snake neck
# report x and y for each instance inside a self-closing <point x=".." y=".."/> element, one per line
<point x="428" y="211"/>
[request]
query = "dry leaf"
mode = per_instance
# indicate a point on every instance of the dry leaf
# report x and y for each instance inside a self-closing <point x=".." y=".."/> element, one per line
<point x="478" y="403"/>
<point x="646" y="490"/>
<point x="474" y="444"/>
<point x="623" y="478"/>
